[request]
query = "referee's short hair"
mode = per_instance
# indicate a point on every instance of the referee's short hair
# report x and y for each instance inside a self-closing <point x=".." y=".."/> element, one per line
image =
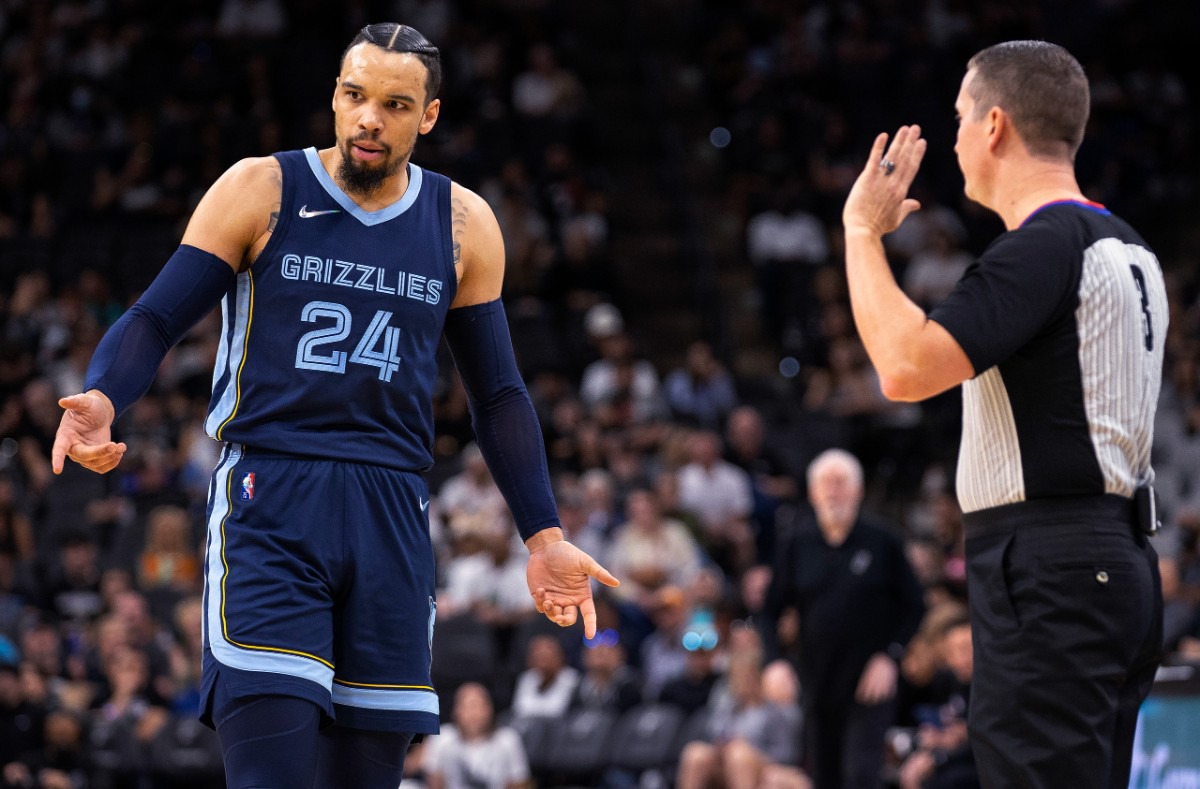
<point x="396" y="37"/>
<point x="1043" y="89"/>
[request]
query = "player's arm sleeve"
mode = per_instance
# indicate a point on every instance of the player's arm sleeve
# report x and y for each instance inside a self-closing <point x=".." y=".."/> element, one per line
<point x="1024" y="281"/>
<point x="506" y="426"/>
<point x="127" y="358"/>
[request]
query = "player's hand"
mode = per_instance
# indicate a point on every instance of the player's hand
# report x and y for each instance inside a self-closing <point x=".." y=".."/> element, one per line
<point x="878" y="202"/>
<point x="85" y="434"/>
<point x="878" y="680"/>
<point x="559" y="577"/>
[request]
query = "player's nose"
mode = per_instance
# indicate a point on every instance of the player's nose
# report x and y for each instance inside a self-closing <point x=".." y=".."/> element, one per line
<point x="370" y="119"/>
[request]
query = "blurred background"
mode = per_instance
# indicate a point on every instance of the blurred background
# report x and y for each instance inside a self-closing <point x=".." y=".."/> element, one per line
<point x="669" y="177"/>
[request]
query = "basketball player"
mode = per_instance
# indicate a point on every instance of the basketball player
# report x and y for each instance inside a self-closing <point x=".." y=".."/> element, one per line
<point x="1056" y="334"/>
<point x="337" y="272"/>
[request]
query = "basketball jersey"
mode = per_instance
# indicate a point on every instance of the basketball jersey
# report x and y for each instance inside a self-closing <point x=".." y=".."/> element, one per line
<point x="329" y="342"/>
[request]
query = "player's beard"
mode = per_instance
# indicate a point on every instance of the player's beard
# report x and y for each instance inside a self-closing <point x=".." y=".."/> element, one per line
<point x="363" y="178"/>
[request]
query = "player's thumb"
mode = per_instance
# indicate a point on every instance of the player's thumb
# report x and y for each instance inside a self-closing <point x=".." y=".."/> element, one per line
<point x="602" y="575"/>
<point x="73" y="402"/>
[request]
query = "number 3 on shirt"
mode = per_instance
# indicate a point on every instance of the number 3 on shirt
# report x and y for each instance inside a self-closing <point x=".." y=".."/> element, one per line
<point x="1147" y="325"/>
<point x="367" y="352"/>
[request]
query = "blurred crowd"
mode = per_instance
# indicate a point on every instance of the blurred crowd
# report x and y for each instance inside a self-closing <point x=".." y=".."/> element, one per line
<point x="679" y="474"/>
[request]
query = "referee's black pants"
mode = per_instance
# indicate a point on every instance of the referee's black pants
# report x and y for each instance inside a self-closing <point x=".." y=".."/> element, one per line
<point x="1066" y="615"/>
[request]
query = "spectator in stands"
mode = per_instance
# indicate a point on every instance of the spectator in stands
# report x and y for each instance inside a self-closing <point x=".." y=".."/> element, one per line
<point x="607" y="681"/>
<point x="488" y="582"/>
<point x="169" y="561"/>
<point x="472" y="491"/>
<point x="545" y="688"/>
<point x="16" y="530"/>
<point x="701" y="392"/>
<point x="124" y="720"/>
<point x="650" y="551"/>
<point x="771" y="478"/>
<point x="72" y="590"/>
<point x="187" y="648"/>
<point x="546" y="89"/>
<point x="943" y="759"/>
<point x="619" y="376"/>
<point x="62" y="760"/>
<point x="721" y="495"/>
<point x="471" y="753"/>
<point x="750" y="740"/>
<point x="691" y="690"/>
<point x="786" y="243"/>
<point x="664" y="656"/>
<point x="22" y="722"/>
<point x="935" y="270"/>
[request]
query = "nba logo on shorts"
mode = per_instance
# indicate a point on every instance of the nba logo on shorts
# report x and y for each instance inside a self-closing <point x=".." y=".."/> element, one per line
<point x="248" y="487"/>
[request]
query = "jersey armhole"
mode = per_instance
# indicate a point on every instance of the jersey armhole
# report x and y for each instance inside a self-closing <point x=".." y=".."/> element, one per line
<point x="287" y="161"/>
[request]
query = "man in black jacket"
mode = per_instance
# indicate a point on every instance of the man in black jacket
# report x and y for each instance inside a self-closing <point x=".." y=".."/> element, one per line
<point x="859" y="603"/>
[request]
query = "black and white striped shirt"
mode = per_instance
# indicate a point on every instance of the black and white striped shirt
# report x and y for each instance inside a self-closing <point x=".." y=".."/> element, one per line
<point x="1064" y="321"/>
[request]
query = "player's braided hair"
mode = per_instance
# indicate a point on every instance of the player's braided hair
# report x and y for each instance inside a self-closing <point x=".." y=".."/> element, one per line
<point x="396" y="37"/>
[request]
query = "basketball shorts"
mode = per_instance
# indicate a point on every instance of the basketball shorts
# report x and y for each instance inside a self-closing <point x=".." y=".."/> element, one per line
<point x="319" y="583"/>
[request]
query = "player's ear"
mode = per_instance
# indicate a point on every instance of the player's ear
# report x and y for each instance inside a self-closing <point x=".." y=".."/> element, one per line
<point x="337" y="83"/>
<point x="429" y="120"/>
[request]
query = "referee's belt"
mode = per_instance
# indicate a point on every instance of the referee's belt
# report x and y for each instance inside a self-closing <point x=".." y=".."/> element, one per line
<point x="1107" y="512"/>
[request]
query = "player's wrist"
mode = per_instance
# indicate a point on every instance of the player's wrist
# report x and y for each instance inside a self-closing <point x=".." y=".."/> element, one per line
<point x="105" y="402"/>
<point x="543" y="538"/>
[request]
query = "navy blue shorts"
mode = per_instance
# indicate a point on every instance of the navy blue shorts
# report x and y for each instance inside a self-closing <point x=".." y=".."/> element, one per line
<point x="319" y="583"/>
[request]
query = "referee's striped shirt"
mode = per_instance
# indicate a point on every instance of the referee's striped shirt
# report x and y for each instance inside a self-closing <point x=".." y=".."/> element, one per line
<point x="1064" y="320"/>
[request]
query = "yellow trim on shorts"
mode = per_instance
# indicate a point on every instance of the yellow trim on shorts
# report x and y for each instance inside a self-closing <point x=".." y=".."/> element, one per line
<point x="386" y="687"/>
<point x="225" y="575"/>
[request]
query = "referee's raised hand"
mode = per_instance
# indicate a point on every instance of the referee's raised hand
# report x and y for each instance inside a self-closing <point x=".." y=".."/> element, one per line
<point x="559" y="576"/>
<point x="879" y="201"/>
<point x="85" y="434"/>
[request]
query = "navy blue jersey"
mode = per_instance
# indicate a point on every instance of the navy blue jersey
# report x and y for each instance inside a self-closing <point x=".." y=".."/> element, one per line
<point x="330" y="339"/>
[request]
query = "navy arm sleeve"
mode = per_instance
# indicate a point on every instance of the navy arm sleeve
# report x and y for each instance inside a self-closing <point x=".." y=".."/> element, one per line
<point x="1024" y="281"/>
<point x="189" y="285"/>
<point x="502" y="414"/>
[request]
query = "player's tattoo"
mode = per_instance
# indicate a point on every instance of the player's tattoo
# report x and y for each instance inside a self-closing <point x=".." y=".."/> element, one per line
<point x="458" y="225"/>
<point x="274" y="219"/>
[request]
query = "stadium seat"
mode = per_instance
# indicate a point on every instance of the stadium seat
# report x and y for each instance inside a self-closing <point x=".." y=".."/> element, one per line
<point x="578" y="743"/>
<point x="464" y="650"/>
<point x="534" y="733"/>
<point x="646" y="736"/>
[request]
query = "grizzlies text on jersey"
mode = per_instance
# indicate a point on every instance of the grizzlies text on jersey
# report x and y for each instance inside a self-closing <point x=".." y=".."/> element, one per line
<point x="356" y="302"/>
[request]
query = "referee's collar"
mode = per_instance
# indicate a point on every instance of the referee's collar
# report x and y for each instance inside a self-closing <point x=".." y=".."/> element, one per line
<point x="1085" y="204"/>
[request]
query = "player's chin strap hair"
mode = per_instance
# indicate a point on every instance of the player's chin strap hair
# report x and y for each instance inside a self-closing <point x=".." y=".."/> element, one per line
<point x="189" y="285"/>
<point x="506" y="426"/>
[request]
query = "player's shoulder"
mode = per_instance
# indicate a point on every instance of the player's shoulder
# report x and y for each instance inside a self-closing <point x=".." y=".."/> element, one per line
<point x="251" y="182"/>
<point x="468" y="200"/>
<point x="255" y="172"/>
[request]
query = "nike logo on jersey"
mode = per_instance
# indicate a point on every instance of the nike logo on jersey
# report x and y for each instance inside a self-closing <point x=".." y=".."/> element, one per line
<point x="306" y="214"/>
<point x="423" y="502"/>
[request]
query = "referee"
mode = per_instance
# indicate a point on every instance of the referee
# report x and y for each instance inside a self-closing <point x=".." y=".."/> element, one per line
<point x="1056" y="334"/>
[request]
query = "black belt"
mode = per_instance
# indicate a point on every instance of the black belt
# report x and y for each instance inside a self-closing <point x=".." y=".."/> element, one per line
<point x="1107" y="512"/>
